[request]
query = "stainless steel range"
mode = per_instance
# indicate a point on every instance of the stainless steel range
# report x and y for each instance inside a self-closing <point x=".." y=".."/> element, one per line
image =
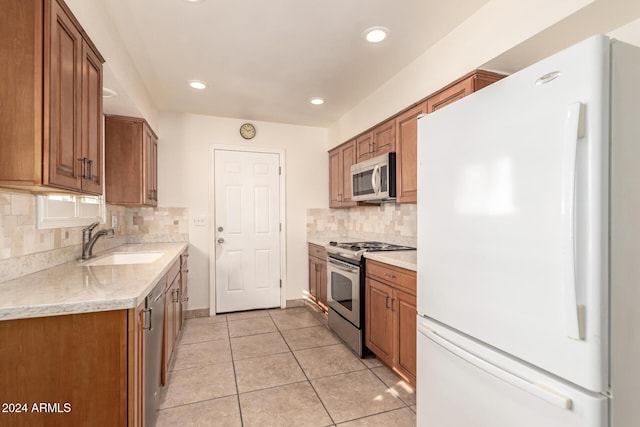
<point x="345" y="288"/>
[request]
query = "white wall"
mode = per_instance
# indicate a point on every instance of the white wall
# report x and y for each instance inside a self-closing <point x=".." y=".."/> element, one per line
<point x="185" y="141"/>
<point x="495" y="28"/>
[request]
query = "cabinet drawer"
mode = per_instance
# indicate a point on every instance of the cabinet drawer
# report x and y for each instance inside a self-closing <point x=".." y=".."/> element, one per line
<point x="395" y="276"/>
<point x="317" y="251"/>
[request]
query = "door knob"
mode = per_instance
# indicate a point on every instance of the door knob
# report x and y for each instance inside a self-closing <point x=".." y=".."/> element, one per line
<point x="220" y="240"/>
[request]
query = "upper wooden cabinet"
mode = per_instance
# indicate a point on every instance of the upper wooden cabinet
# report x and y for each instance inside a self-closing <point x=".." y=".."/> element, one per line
<point x="400" y="134"/>
<point x="340" y="160"/>
<point x="131" y="159"/>
<point x="378" y="141"/>
<point x="407" y="153"/>
<point x="51" y="121"/>
<point x="462" y="87"/>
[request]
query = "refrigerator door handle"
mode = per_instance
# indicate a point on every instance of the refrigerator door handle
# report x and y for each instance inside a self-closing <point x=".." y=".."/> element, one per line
<point x="574" y="130"/>
<point x="538" y="390"/>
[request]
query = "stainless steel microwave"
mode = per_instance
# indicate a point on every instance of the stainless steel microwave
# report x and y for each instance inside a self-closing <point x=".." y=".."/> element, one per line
<point x="374" y="180"/>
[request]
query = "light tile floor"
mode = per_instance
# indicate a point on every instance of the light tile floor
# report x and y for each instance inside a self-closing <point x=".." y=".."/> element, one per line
<point x="278" y="368"/>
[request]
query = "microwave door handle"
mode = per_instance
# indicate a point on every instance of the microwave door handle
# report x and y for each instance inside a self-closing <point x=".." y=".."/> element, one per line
<point x="374" y="179"/>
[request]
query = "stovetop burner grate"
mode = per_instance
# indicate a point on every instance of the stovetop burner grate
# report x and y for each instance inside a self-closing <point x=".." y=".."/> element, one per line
<point x="371" y="246"/>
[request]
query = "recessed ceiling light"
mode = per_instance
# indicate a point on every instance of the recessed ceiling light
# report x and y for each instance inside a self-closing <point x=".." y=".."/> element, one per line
<point x="108" y="93"/>
<point x="376" y="34"/>
<point x="316" y="101"/>
<point x="197" y="84"/>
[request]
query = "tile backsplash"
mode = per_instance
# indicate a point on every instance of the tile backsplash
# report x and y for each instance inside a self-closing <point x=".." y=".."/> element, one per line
<point x="24" y="249"/>
<point x="388" y="222"/>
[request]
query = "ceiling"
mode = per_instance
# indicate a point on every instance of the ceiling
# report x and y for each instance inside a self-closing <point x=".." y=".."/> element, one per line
<point x="264" y="60"/>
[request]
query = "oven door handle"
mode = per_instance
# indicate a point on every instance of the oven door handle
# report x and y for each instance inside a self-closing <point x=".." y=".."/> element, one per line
<point x="343" y="267"/>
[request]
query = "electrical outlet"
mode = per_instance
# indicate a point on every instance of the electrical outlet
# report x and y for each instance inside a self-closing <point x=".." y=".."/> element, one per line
<point x="114" y="221"/>
<point x="199" y="220"/>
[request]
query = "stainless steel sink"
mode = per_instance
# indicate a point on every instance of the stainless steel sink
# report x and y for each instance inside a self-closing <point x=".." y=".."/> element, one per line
<point x="120" y="258"/>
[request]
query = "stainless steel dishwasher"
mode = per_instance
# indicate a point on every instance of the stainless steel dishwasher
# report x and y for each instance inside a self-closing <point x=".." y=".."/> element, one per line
<point x="154" y="322"/>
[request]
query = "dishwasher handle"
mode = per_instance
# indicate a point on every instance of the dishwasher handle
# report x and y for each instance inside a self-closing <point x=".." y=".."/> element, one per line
<point x="147" y="315"/>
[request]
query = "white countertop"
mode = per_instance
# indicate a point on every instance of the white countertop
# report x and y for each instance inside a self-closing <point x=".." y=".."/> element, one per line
<point x="403" y="259"/>
<point x="75" y="287"/>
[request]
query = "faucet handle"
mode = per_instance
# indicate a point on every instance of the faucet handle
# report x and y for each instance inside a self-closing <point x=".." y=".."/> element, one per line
<point x="91" y="226"/>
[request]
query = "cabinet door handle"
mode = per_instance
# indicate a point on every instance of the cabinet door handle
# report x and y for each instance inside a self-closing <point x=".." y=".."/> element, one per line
<point x="392" y="300"/>
<point x="177" y="298"/>
<point x="90" y="174"/>
<point x="374" y="147"/>
<point x="83" y="174"/>
<point x="386" y="302"/>
<point x="185" y="299"/>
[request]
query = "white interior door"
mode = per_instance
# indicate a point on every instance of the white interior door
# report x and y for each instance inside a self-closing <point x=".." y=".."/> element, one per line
<point x="246" y="230"/>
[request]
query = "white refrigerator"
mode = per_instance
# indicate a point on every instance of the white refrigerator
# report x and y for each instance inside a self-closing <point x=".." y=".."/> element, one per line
<point x="529" y="247"/>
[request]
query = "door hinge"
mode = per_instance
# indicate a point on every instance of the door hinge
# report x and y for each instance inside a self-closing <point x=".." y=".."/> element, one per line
<point x="280" y="283"/>
<point x="280" y="226"/>
<point x="279" y="170"/>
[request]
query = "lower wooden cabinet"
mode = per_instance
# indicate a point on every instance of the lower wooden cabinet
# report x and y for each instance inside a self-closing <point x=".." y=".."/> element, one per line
<point x="390" y="317"/>
<point x="184" y="289"/>
<point x="71" y="370"/>
<point x="318" y="275"/>
<point x="83" y="369"/>
<point x="379" y="320"/>
<point x="176" y="297"/>
<point x="136" y="375"/>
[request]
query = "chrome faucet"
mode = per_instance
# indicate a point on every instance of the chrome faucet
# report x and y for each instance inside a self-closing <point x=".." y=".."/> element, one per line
<point x="88" y="241"/>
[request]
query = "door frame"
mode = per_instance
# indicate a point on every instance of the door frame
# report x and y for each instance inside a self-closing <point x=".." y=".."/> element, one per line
<point x="282" y="216"/>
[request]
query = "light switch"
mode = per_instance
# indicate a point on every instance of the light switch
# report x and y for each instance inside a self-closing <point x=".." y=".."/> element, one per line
<point x="199" y="220"/>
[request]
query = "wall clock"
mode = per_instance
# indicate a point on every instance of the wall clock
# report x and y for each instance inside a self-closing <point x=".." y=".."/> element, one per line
<point x="247" y="131"/>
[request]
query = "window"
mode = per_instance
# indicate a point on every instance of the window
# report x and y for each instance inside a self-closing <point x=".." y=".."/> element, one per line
<point x="59" y="211"/>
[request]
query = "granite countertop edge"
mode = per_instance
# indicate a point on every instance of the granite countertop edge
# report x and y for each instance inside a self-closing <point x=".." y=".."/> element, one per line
<point x="76" y="287"/>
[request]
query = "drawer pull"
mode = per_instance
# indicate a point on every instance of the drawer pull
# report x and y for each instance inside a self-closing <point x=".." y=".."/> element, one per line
<point x="393" y="276"/>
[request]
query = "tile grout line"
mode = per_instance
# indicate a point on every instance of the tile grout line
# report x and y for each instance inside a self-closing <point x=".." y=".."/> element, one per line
<point x="272" y="317"/>
<point x="371" y="370"/>
<point x="235" y="378"/>
<point x="304" y="373"/>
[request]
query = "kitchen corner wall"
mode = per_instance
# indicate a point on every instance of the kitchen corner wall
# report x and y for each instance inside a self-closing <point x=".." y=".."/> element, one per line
<point x="24" y="249"/>
<point x="388" y="222"/>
